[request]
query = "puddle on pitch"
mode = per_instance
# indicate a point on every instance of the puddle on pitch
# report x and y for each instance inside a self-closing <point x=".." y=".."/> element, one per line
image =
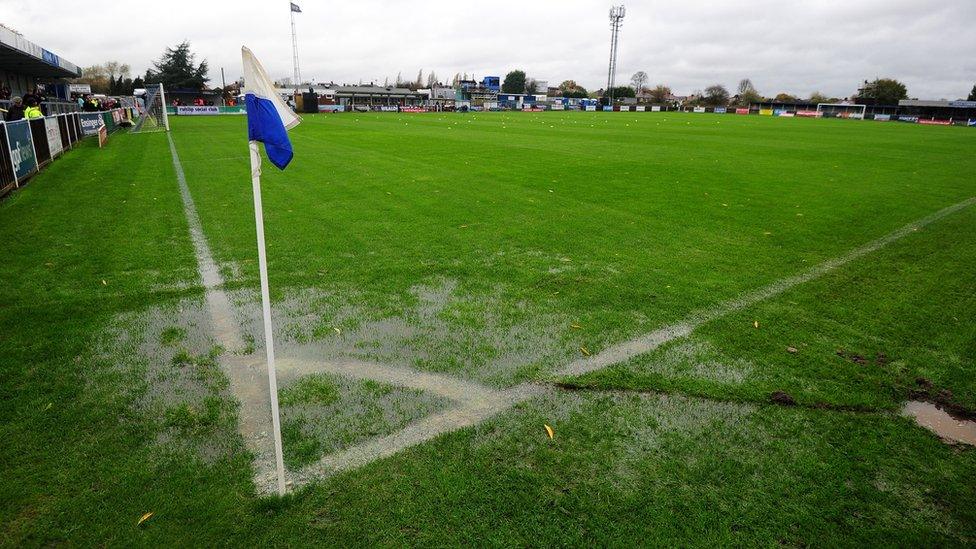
<point x="949" y="428"/>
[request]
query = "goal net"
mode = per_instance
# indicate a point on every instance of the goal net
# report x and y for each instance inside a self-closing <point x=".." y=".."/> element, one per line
<point x="152" y="110"/>
<point x="842" y="110"/>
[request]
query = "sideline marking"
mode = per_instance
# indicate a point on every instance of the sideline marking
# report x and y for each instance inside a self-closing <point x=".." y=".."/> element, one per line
<point x="476" y="404"/>
<point x="467" y="415"/>
<point x="246" y="374"/>
<point x="622" y="352"/>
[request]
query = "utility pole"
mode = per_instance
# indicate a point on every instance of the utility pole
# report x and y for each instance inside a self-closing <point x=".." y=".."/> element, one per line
<point x="616" y="21"/>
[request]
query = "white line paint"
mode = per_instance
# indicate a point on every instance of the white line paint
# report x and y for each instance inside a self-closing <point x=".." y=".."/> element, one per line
<point x="423" y="430"/>
<point x="643" y="344"/>
<point x="464" y="416"/>
<point x="476" y="403"/>
<point x="247" y="375"/>
<point x="446" y="386"/>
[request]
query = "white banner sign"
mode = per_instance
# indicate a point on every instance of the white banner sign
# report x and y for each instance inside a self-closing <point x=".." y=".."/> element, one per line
<point x="198" y="111"/>
<point x="640" y="108"/>
<point x="655" y="108"/>
<point x="699" y="109"/>
<point x="53" y="135"/>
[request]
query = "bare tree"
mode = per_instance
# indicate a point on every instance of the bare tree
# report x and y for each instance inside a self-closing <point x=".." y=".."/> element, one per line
<point x="745" y="86"/>
<point x="639" y="80"/>
<point x="431" y="80"/>
<point x="748" y="93"/>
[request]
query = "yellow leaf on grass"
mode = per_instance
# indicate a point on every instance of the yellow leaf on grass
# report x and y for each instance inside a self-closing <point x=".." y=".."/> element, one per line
<point x="585" y="351"/>
<point x="756" y="323"/>
<point x="549" y="431"/>
<point x="575" y="326"/>
<point x="144" y="518"/>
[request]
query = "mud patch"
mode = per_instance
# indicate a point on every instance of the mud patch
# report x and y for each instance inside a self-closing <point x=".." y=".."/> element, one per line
<point x="950" y="428"/>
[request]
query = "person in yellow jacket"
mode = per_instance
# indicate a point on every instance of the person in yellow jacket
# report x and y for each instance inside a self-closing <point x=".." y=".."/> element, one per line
<point x="32" y="110"/>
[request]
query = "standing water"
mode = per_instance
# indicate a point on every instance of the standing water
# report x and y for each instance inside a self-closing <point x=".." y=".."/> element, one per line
<point x="951" y="429"/>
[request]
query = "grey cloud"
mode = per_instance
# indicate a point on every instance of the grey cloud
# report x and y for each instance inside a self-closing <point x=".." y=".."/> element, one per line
<point x="796" y="47"/>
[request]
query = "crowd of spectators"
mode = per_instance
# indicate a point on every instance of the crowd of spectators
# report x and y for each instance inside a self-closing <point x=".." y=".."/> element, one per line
<point x="28" y="106"/>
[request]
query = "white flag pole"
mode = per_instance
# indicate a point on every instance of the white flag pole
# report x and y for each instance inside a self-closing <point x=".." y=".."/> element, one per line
<point x="266" y="307"/>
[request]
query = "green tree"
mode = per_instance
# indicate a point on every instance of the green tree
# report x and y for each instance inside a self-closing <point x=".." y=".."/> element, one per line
<point x="176" y="69"/>
<point x="514" y="82"/>
<point x="817" y="97"/>
<point x="623" y="91"/>
<point x="716" y="95"/>
<point x="882" y="91"/>
<point x="531" y="86"/>
<point x="784" y="98"/>
<point x="569" y="88"/>
<point x="972" y="94"/>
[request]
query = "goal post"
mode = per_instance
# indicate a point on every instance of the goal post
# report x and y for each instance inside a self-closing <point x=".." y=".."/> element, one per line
<point x="842" y="110"/>
<point x="152" y="114"/>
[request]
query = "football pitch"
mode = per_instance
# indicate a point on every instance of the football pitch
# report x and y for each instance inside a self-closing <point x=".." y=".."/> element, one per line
<point x="495" y="329"/>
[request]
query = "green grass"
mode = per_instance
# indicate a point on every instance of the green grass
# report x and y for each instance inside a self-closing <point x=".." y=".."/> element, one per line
<point x="490" y="236"/>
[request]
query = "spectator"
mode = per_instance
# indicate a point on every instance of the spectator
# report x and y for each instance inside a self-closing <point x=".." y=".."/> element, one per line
<point x="16" y="111"/>
<point x="4" y="92"/>
<point x="32" y="110"/>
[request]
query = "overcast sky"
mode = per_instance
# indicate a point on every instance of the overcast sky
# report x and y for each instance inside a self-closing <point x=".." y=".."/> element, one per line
<point x="782" y="45"/>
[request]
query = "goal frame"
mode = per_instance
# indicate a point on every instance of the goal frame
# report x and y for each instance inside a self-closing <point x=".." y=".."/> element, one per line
<point x="860" y="115"/>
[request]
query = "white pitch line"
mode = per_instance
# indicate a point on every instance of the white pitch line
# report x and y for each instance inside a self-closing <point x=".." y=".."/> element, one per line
<point x="646" y="343"/>
<point x="467" y="416"/>
<point x="477" y="403"/>
<point x="247" y="375"/>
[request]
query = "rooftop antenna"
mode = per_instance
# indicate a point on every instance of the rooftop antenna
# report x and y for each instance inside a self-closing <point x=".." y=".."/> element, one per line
<point x="616" y="21"/>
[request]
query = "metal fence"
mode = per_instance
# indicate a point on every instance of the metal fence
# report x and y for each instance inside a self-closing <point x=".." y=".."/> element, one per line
<point x="49" y="107"/>
<point x="27" y="146"/>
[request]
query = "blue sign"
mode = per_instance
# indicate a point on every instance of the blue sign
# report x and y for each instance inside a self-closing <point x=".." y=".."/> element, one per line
<point x="720" y="110"/>
<point x="21" y="148"/>
<point x="50" y="58"/>
<point x="90" y="122"/>
<point x="972" y="122"/>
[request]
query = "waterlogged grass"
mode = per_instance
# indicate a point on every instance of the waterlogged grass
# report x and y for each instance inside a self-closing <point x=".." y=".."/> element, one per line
<point x="595" y="227"/>
<point x="322" y="414"/>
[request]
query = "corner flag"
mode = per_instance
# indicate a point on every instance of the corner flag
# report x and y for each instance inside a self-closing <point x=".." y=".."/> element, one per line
<point x="268" y="118"/>
<point x="268" y="121"/>
<point x="295" y="8"/>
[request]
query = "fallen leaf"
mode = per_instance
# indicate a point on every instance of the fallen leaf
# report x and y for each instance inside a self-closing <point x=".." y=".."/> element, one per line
<point x="337" y="330"/>
<point x="575" y="326"/>
<point x="104" y="283"/>
<point x="549" y="431"/>
<point x="756" y="323"/>
<point x="585" y="351"/>
<point x="791" y="349"/>
<point x="144" y="518"/>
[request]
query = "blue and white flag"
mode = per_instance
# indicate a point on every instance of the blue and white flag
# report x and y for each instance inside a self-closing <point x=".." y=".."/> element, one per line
<point x="268" y="117"/>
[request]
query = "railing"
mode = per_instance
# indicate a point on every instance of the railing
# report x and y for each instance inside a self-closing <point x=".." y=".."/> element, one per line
<point x="26" y="146"/>
<point x="48" y="107"/>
